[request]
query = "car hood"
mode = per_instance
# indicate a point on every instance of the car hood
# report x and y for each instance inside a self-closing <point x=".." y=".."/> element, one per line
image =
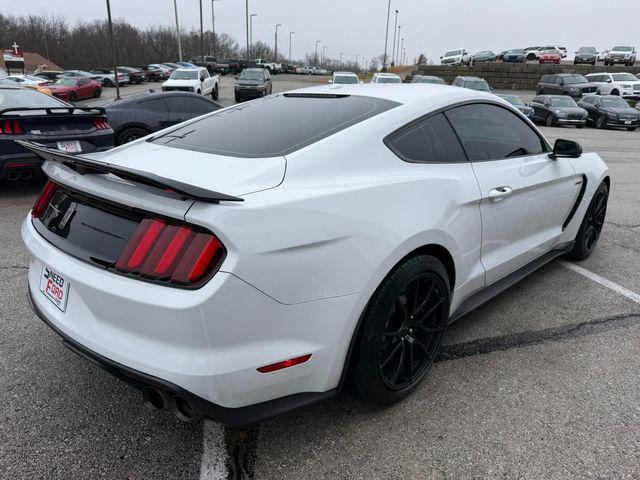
<point x="180" y="83"/>
<point x="60" y="88"/>
<point x="250" y="83"/>
<point x="569" y="109"/>
<point x="620" y="110"/>
<point x="229" y="175"/>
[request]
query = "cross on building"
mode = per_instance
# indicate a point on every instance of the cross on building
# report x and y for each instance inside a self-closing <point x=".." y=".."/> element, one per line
<point x="15" y="47"/>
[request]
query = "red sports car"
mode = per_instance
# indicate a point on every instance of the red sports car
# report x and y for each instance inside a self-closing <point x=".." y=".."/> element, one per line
<point x="76" y="88"/>
<point x="550" y="56"/>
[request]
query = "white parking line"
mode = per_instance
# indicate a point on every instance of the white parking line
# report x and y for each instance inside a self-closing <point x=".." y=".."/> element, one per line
<point x="633" y="296"/>
<point x="214" y="453"/>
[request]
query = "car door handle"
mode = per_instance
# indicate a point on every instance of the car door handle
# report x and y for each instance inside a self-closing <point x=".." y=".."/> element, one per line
<point x="499" y="193"/>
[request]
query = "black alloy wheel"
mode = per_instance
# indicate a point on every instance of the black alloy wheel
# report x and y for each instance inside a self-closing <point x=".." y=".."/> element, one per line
<point x="412" y="332"/>
<point x="601" y="122"/>
<point x="550" y="120"/>
<point x="402" y="330"/>
<point x="131" y="134"/>
<point x="592" y="223"/>
<point x="73" y="96"/>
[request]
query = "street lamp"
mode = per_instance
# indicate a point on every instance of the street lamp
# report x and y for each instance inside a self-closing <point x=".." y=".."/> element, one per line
<point x="213" y="25"/>
<point x="251" y="34"/>
<point x="323" y="55"/>
<point x="357" y="65"/>
<point x="290" y="34"/>
<point x="113" y="49"/>
<point x="340" y="60"/>
<point x="246" y="12"/>
<point x="402" y="46"/>
<point x="175" y="7"/>
<point x="395" y="25"/>
<point x="276" y="44"/>
<point x="201" y="35"/>
<point x="398" y="54"/>
<point x="317" y="42"/>
<point x="386" y="39"/>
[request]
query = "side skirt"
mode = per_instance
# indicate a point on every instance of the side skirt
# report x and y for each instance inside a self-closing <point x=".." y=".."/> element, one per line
<point x="487" y="293"/>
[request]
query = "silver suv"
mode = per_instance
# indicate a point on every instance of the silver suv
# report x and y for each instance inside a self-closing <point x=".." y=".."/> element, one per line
<point x="621" y="54"/>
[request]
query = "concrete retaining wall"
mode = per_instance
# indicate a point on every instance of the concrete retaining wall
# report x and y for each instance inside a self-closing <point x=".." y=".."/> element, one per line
<point x="510" y="76"/>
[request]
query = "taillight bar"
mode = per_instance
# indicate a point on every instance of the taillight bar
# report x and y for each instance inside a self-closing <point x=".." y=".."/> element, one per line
<point x="11" y="127"/>
<point x="176" y="254"/>
<point x="101" y="123"/>
<point x="45" y="197"/>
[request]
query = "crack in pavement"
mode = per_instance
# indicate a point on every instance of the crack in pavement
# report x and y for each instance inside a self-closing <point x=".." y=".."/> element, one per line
<point x="523" y="339"/>
<point x="9" y="267"/>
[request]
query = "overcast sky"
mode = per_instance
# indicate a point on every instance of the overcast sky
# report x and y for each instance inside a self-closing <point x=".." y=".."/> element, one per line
<point x="356" y="27"/>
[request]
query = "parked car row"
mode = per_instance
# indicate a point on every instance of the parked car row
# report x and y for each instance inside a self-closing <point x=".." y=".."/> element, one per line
<point x="620" y="54"/>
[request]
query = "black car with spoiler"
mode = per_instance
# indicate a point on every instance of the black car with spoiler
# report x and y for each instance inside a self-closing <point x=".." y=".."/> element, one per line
<point x="30" y="115"/>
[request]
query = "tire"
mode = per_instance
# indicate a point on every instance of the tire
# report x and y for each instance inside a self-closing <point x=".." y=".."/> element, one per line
<point x="579" y="126"/>
<point x="615" y="92"/>
<point x="591" y="226"/>
<point x="540" y="91"/>
<point x="130" y="134"/>
<point x="199" y="92"/>
<point x="631" y="129"/>
<point x="238" y="99"/>
<point x="601" y="122"/>
<point x="530" y="57"/>
<point x="108" y="82"/>
<point x="214" y="93"/>
<point x="97" y="93"/>
<point x="388" y="341"/>
<point x="550" y="120"/>
<point x="593" y="63"/>
<point x="73" y="96"/>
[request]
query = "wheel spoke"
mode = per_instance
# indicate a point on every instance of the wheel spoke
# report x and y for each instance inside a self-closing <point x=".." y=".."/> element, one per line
<point x="416" y="312"/>
<point x="422" y="347"/>
<point x="399" y="367"/>
<point x="403" y="310"/>
<point x="391" y="355"/>
<point x="410" y="362"/>
<point x="428" y="313"/>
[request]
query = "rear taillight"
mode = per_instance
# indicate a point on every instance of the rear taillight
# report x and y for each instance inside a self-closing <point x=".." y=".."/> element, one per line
<point x="176" y="254"/>
<point x="47" y="193"/>
<point x="11" y="127"/>
<point x="101" y="123"/>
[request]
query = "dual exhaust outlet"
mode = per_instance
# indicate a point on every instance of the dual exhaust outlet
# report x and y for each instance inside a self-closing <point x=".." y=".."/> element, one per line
<point x="156" y="399"/>
<point x="15" y="175"/>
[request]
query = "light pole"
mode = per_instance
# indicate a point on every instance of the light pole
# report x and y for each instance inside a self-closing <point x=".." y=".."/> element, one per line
<point x="113" y="51"/>
<point x="201" y="35"/>
<point x="290" y="34"/>
<point x="323" y="55"/>
<point x="357" y="64"/>
<point x="386" y="39"/>
<point x="276" y="44"/>
<point x="251" y="33"/>
<point x="402" y="46"/>
<point x="395" y="25"/>
<point x="399" y="28"/>
<point x="213" y="25"/>
<point x="340" y="60"/>
<point x="317" y="42"/>
<point x="246" y="13"/>
<point x="175" y="8"/>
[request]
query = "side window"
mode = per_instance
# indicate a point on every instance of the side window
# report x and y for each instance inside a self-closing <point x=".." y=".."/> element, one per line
<point x="429" y="140"/>
<point x="156" y="105"/>
<point x="559" y="81"/>
<point x="588" y="99"/>
<point x="595" y="101"/>
<point x="489" y="132"/>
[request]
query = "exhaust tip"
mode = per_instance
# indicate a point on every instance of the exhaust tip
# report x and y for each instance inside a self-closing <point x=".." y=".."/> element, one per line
<point x="155" y="399"/>
<point x="13" y="176"/>
<point x="26" y="175"/>
<point x="184" y="410"/>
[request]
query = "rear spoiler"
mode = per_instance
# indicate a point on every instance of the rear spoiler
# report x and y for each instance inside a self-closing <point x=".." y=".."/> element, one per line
<point x="83" y="165"/>
<point x="54" y="110"/>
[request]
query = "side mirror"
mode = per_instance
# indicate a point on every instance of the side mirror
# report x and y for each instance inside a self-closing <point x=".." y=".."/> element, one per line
<point x="608" y="80"/>
<point x="441" y="57"/>
<point x="565" y="149"/>
<point x="330" y="81"/>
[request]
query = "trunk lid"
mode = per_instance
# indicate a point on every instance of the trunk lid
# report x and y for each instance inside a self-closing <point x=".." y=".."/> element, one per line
<point x="228" y="175"/>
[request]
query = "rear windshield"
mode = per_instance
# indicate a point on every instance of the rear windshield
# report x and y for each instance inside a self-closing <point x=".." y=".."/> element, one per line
<point x="14" y="98"/>
<point x="275" y="125"/>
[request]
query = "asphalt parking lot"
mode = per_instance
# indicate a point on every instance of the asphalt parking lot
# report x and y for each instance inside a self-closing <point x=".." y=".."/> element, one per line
<point x="540" y="383"/>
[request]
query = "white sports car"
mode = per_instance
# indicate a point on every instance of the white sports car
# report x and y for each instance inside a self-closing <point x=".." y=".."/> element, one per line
<point x="261" y="257"/>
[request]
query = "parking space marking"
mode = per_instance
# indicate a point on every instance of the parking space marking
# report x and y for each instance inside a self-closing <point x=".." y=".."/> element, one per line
<point x="214" y="452"/>
<point x="619" y="289"/>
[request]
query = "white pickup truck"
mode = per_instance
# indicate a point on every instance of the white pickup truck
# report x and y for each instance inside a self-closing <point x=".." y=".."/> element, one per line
<point x="195" y="80"/>
<point x="271" y="66"/>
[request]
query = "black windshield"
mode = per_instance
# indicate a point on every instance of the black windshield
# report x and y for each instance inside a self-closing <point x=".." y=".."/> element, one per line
<point x="274" y="126"/>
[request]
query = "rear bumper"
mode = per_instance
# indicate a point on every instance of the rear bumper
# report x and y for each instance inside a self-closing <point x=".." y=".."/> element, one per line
<point x="234" y="417"/>
<point x="205" y="344"/>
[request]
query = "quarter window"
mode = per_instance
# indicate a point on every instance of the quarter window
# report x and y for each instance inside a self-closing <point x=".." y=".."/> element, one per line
<point x="489" y="132"/>
<point x="429" y="140"/>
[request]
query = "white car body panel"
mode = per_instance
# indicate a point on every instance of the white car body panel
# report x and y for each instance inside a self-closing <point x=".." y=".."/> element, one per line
<point x="318" y="231"/>
<point x="626" y="89"/>
<point x="463" y="58"/>
<point x="205" y="87"/>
